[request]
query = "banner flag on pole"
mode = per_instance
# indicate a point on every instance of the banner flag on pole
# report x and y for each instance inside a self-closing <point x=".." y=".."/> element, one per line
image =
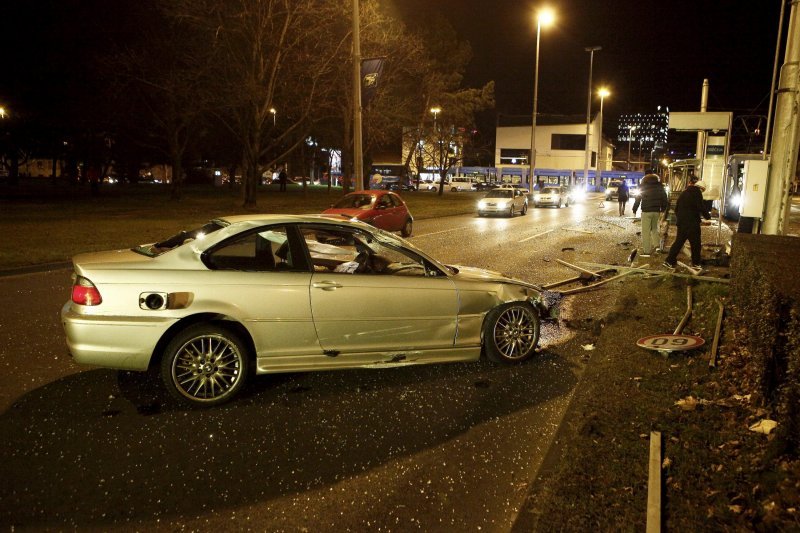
<point x="371" y="71"/>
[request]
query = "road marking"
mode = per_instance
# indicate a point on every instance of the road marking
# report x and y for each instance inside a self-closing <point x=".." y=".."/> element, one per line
<point x="537" y="235"/>
<point x="443" y="231"/>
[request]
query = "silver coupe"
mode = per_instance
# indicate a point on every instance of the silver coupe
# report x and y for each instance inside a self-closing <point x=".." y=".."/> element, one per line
<point x="284" y="293"/>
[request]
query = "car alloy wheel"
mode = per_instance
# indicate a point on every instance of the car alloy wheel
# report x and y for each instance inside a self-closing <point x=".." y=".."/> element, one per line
<point x="205" y="364"/>
<point x="524" y="209"/>
<point x="511" y="332"/>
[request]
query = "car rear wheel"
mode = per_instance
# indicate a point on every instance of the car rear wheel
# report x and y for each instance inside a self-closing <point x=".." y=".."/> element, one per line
<point x="407" y="228"/>
<point x="524" y="209"/>
<point x="454" y="189"/>
<point x="511" y="332"/>
<point x="205" y="365"/>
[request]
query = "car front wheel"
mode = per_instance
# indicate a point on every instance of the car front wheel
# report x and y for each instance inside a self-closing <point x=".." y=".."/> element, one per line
<point x="205" y="365"/>
<point x="524" y="209"/>
<point x="407" y="228"/>
<point x="511" y="332"/>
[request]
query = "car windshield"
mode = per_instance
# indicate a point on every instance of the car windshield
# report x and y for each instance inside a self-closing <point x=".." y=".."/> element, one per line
<point x="158" y="248"/>
<point x="500" y="193"/>
<point x="355" y="201"/>
<point x="550" y="190"/>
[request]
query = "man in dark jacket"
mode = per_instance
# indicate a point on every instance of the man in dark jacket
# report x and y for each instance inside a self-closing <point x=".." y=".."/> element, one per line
<point x="654" y="202"/>
<point x="622" y="197"/>
<point x="688" y="210"/>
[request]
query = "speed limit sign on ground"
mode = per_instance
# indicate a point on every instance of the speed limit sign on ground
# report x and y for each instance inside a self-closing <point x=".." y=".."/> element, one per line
<point x="670" y="343"/>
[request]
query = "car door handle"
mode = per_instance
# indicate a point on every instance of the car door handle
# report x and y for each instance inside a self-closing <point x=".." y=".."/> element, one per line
<point x="326" y="285"/>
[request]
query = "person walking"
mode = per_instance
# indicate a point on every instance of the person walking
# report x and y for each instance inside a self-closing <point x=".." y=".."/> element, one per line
<point x="623" y="194"/>
<point x="688" y="210"/>
<point x="654" y="202"/>
<point x="282" y="179"/>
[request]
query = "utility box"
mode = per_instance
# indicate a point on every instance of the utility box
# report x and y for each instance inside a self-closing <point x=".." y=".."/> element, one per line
<point x="754" y="188"/>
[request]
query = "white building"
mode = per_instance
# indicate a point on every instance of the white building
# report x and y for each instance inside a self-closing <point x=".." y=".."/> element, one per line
<point x="560" y="149"/>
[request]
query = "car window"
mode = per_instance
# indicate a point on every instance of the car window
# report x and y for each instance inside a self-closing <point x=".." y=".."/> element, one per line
<point x="550" y="190"/>
<point x="355" y="201"/>
<point x="262" y="251"/>
<point x="180" y="239"/>
<point x="500" y="193"/>
<point x="352" y="252"/>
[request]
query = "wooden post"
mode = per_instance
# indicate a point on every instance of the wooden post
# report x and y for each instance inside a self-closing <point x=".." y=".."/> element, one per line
<point x="654" y="484"/>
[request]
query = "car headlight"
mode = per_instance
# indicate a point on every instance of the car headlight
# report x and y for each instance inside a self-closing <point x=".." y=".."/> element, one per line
<point x="502" y="204"/>
<point x="537" y="197"/>
<point x="579" y="195"/>
<point x="481" y="204"/>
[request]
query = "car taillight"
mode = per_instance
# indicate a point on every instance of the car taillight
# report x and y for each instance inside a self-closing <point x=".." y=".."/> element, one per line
<point x="84" y="292"/>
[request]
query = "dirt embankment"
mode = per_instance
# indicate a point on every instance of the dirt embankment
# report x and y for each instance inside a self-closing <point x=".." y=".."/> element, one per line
<point x="718" y="473"/>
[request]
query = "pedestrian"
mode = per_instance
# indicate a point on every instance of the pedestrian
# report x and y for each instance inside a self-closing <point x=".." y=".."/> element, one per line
<point x="282" y="179"/>
<point x="654" y="202"/>
<point x="623" y="194"/>
<point x="688" y="210"/>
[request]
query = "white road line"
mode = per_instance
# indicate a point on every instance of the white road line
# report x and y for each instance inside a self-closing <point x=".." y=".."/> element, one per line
<point x="537" y="235"/>
<point x="443" y="231"/>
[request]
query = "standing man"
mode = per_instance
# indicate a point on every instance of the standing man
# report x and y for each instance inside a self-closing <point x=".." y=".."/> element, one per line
<point x="688" y="210"/>
<point x="282" y="178"/>
<point x="654" y="202"/>
<point x="622" y="197"/>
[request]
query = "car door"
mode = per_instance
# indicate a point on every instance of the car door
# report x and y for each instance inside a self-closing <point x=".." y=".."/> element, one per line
<point x="385" y="217"/>
<point x="261" y="278"/>
<point x="396" y="304"/>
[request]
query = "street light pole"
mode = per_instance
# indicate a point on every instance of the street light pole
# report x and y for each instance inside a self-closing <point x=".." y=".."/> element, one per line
<point x="630" y="137"/>
<point x="591" y="50"/>
<point x="544" y="17"/>
<point x="602" y="92"/>
<point x="437" y="154"/>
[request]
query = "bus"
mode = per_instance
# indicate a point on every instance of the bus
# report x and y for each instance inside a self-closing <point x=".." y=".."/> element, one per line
<point x="389" y="176"/>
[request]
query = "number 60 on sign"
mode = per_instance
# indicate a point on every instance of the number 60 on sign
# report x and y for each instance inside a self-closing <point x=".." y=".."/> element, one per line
<point x="670" y="343"/>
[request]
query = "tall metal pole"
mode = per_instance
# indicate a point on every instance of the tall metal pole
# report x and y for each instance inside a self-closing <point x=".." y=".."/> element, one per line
<point x="603" y="93"/>
<point x="591" y="50"/>
<point x="701" y="135"/>
<point x="545" y="16"/>
<point x="786" y="139"/>
<point x="532" y="159"/>
<point x="358" y="158"/>
<point x="774" y="77"/>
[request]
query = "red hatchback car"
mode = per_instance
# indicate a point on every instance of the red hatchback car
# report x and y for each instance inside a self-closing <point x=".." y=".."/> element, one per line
<point x="382" y="209"/>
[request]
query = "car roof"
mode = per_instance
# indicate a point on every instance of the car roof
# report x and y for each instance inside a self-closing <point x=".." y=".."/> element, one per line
<point x="277" y="218"/>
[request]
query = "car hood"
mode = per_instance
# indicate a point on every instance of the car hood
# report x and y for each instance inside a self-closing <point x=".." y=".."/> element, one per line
<point x="480" y="274"/>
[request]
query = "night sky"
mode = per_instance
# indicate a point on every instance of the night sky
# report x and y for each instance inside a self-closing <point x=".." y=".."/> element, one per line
<point x="654" y="53"/>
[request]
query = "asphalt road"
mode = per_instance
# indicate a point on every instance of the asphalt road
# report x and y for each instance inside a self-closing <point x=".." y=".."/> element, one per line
<point x="434" y="448"/>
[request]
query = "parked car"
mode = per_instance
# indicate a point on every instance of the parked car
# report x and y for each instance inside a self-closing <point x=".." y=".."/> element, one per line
<point x="503" y="201"/>
<point x="462" y="183"/>
<point x="383" y="209"/>
<point x="612" y="190"/>
<point x="551" y="195"/>
<point x="288" y="293"/>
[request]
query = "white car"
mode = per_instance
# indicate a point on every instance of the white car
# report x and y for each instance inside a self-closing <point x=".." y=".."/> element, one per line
<point x="554" y="196"/>
<point x="284" y="293"/>
<point x="503" y="201"/>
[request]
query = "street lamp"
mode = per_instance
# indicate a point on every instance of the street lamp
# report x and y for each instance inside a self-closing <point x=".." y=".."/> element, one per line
<point x="274" y="112"/>
<point x="544" y="17"/>
<point x="591" y="50"/>
<point x="631" y="129"/>
<point x="2" y="112"/>
<point x="602" y="92"/>
<point x="435" y="111"/>
<point x="437" y="156"/>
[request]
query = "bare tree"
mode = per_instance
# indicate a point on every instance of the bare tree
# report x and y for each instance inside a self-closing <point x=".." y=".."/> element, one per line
<point x="163" y="84"/>
<point x="269" y="55"/>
